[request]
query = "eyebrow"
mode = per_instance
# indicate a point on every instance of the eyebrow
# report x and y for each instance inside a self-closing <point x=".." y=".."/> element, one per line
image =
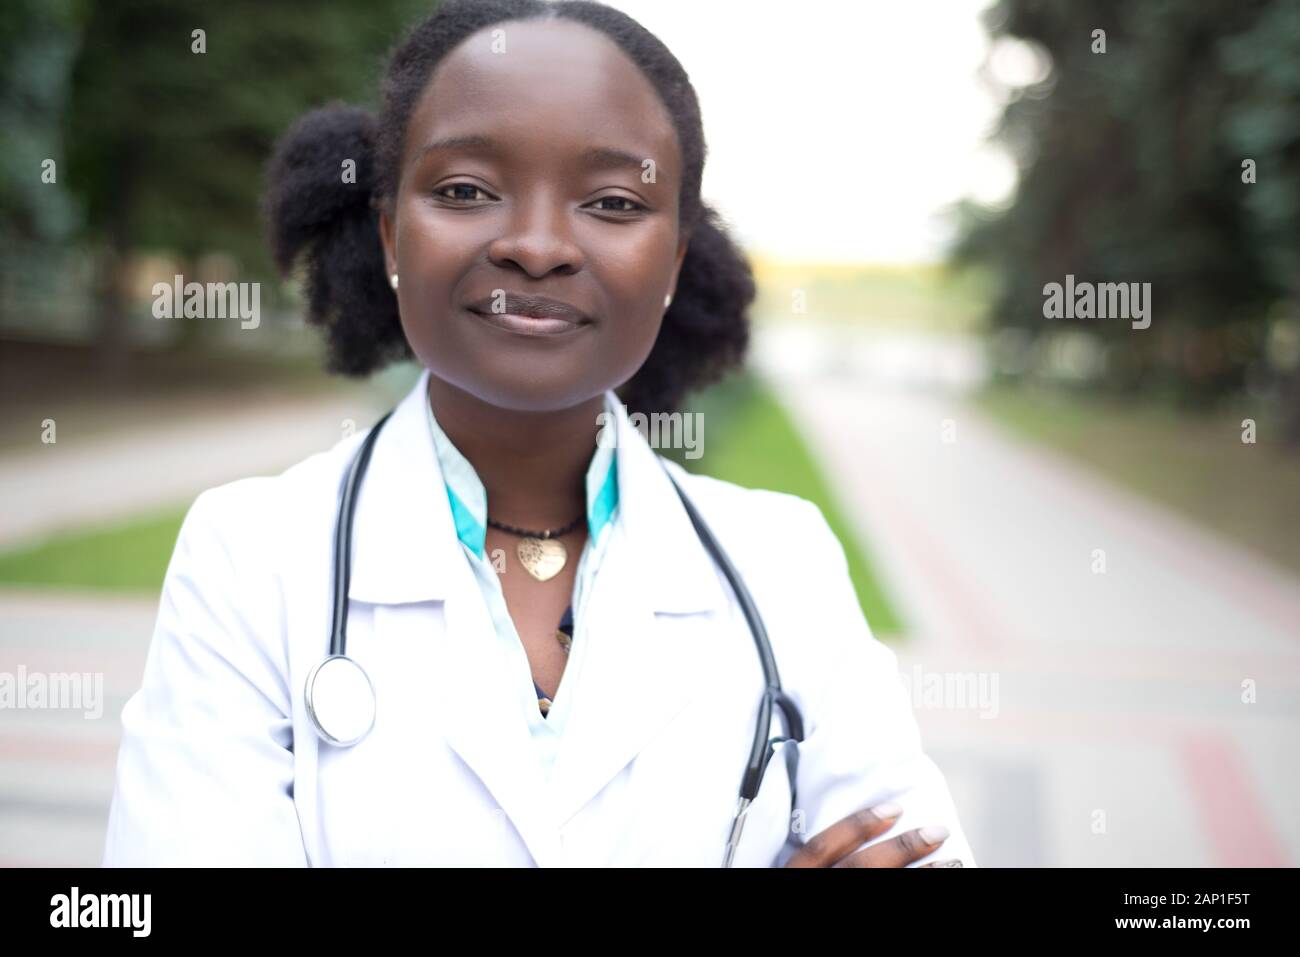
<point x="594" y="157"/>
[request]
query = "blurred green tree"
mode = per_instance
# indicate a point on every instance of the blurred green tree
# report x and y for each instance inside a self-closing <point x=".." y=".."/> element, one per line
<point x="38" y="39"/>
<point x="1131" y="170"/>
<point x="166" y="144"/>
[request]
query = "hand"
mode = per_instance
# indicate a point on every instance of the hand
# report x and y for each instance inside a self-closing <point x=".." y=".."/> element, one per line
<point x="837" y="846"/>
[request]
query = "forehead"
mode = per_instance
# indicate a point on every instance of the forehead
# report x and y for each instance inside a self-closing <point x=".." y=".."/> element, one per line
<point x="544" y="89"/>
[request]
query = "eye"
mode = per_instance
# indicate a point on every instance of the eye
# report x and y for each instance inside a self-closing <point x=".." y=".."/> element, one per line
<point x="462" y="197"/>
<point x="632" y="205"/>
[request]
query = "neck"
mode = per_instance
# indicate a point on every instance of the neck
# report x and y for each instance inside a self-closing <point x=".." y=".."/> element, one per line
<point x="533" y="465"/>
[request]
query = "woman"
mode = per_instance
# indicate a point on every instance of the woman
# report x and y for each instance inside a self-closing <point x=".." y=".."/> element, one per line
<point x="562" y="673"/>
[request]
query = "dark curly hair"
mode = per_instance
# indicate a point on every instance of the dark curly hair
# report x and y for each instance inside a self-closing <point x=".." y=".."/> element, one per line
<point x="332" y="226"/>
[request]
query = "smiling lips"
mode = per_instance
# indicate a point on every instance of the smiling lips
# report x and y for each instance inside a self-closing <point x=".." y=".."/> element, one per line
<point x="530" y="315"/>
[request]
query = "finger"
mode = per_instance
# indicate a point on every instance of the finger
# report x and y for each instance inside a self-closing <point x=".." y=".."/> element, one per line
<point x="826" y="847"/>
<point x="952" y="863"/>
<point x="899" y="851"/>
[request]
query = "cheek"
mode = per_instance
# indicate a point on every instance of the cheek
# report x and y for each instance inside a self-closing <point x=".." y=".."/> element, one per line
<point x="433" y="256"/>
<point x="435" y="251"/>
<point x="635" y="276"/>
<point x="635" y="267"/>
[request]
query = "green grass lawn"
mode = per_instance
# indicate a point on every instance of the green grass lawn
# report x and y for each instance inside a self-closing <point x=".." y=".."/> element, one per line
<point x="1194" y="464"/>
<point x="128" y="556"/>
<point x="749" y="440"/>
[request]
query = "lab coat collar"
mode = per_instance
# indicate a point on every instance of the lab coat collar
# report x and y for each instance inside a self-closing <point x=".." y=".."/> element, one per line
<point x="405" y="544"/>
<point x="674" y="569"/>
<point x="468" y="498"/>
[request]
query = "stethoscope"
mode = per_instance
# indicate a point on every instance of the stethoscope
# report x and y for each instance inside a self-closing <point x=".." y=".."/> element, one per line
<point x="341" y="699"/>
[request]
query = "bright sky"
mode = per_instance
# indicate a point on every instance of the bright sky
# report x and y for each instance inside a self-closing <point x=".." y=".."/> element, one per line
<point x="838" y="130"/>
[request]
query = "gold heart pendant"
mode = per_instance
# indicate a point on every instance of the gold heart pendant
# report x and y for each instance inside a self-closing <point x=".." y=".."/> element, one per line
<point x="542" y="557"/>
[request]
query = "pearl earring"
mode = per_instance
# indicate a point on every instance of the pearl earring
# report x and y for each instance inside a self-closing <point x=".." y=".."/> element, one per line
<point x="667" y="299"/>
<point x="393" y="280"/>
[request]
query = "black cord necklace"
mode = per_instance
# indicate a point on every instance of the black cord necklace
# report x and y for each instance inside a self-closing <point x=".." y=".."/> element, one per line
<point x="541" y="554"/>
<point x="548" y="533"/>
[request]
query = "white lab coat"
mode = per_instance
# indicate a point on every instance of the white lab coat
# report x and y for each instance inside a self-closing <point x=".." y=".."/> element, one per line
<point x="219" y="763"/>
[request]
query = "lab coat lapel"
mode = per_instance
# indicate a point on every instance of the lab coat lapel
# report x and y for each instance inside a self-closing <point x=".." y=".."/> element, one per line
<point x="484" y="722"/>
<point x="636" y="674"/>
<point x="406" y="552"/>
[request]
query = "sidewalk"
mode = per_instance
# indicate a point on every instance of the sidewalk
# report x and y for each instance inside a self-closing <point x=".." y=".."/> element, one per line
<point x="1120" y="735"/>
<point x="69" y="484"/>
<point x="57" y="766"/>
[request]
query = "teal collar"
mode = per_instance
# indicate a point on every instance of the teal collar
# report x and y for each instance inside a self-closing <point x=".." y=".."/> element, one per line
<point x="468" y="497"/>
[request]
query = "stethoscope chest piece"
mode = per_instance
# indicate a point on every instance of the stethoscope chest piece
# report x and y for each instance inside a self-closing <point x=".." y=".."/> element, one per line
<point x="340" y="701"/>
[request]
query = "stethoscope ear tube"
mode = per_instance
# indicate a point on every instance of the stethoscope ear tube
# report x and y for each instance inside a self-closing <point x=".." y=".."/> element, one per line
<point x="343" y="539"/>
<point x="761" y="750"/>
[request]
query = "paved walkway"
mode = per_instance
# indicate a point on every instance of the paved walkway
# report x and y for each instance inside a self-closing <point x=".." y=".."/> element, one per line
<point x="1120" y="735"/>
<point x="69" y="484"/>
<point x="57" y="765"/>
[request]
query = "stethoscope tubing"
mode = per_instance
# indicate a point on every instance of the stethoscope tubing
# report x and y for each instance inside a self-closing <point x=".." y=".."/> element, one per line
<point x="343" y="538"/>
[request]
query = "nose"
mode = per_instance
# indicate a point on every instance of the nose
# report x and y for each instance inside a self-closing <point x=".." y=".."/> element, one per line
<point x="537" y="238"/>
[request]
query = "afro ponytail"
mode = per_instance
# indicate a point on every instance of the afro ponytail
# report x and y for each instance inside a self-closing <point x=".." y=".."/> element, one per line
<point x="320" y="212"/>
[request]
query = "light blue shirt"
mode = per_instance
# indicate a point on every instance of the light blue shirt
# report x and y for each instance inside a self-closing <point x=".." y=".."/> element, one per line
<point x="468" y="500"/>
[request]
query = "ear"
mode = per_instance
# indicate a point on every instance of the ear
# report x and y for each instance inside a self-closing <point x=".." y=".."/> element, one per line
<point x="677" y="265"/>
<point x="388" y="237"/>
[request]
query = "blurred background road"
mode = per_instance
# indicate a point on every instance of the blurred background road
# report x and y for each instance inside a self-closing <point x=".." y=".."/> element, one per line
<point x="1118" y="734"/>
<point x="1080" y="537"/>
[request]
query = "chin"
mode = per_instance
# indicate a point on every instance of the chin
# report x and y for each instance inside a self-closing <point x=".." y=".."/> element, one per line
<point x="531" y="389"/>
